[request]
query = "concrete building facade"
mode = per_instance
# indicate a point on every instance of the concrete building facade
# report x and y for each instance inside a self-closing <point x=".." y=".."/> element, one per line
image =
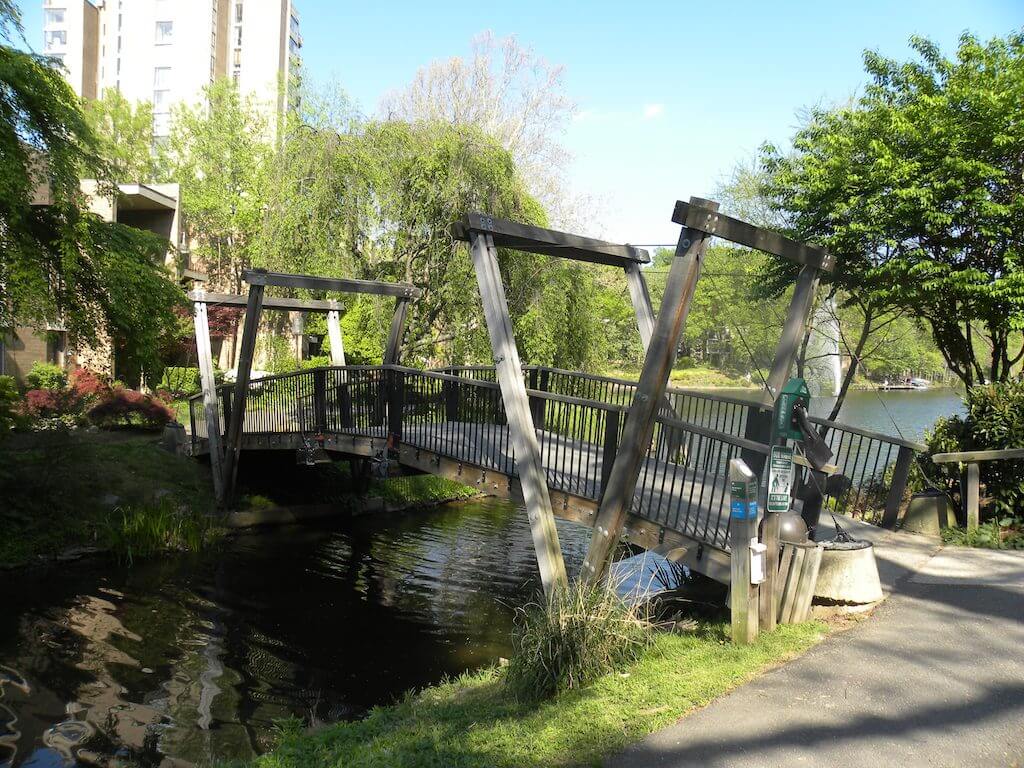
<point x="167" y="51"/>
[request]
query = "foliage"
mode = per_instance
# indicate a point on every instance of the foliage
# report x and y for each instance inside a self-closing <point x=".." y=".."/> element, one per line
<point x="97" y="471"/>
<point x="53" y="408"/>
<point x="143" y="531"/>
<point x="510" y="94"/>
<point x="9" y="399"/>
<point x="59" y="261"/>
<point x="471" y="722"/>
<point x="994" y="420"/>
<point x="995" y="534"/>
<point x="420" y="489"/>
<point x="917" y="190"/>
<point x="181" y="381"/>
<point x="219" y="150"/>
<point x="125" y="136"/>
<point x="572" y="637"/>
<point x="46" y="376"/>
<point x="127" y="407"/>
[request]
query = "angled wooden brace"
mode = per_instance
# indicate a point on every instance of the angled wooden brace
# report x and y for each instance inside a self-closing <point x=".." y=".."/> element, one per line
<point x="616" y="501"/>
<point x="211" y="404"/>
<point x="517" y="410"/>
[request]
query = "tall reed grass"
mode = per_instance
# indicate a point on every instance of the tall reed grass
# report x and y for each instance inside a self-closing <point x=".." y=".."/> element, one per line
<point x="572" y="637"/>
<point x="139" y="532"/>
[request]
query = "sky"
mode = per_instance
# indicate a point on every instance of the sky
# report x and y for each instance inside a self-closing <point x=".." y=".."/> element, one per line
<point x="670" y="96"/>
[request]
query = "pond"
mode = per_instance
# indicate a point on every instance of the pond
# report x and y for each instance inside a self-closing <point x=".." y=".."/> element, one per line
<point x="195" y="658"/>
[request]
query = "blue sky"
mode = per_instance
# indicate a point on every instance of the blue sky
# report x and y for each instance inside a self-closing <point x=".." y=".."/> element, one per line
<point x="671" y="95"/>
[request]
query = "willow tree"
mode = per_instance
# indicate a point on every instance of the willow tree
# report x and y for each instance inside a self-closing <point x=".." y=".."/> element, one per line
<point x="918" y="189"/>
<point x="59" y="262"/>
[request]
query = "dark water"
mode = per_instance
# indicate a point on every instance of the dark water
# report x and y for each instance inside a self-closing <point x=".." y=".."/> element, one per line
<point x="195" y="658"/>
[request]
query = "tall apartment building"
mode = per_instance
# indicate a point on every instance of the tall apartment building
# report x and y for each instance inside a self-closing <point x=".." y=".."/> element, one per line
<point x="167" y="51"/>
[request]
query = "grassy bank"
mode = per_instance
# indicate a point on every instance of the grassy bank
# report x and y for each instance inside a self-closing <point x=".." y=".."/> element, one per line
<point x="472" y="722"/>
<point x="692" y="377"/>
<point x="62" y="491"/>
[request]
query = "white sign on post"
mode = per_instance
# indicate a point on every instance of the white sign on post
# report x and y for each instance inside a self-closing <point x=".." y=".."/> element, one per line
<point x="780" y="478"/>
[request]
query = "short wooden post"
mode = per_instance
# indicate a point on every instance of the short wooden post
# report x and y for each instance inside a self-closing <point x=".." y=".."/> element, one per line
<point x="743" y="596"/>
<point x="509" y="372"/>
<point x="900" y="476"/>
<point x="767" y="611"/>
<point x="617" y="499"/>
<point x="211" y="404"/>
<point x="450" y="392"/>
<point x="537" y="404"/>
<point x="972" y="492"/>
<point x="253" y="310"/>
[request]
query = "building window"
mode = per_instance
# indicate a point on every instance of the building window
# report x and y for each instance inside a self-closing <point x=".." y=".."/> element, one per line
<point x="161" y="77"/>
<point x="164" y="32"/>
<point x="293" y="24"/>
<point x="238" y="13"/>
<point x="56" y="346"/>
<point x="54" y="17"/>
<point x="57" y="57"/>
<point x="55" y="38"/>
<point x="161" y="100"/>
<point x="238" y="36"/>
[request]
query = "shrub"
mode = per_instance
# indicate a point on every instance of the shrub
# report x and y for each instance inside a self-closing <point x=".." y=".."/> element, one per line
<point x="53" y="408"/>
<point x="317" y="361"/>
<point x="180" y="381"/>
<point x="127" y="406"/>
<point x="46" y="376"/>
<point x="87" y="384"/>
<point x="995" y="534"/>
<point x="994" y="420"/>
<point x="571" y="638"/>
<point x="9" y="399"/>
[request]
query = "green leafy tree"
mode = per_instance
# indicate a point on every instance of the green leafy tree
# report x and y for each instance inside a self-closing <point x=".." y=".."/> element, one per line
<point x="125" y="134"/>
<point x="918" y="189"/>
<point x="58" y="261"/>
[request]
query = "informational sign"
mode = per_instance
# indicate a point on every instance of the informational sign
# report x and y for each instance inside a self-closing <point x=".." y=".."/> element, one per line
<point x="780" y="478"/>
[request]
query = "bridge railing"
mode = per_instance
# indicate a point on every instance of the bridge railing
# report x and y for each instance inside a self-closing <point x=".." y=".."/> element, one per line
<point x="579" y="417"/>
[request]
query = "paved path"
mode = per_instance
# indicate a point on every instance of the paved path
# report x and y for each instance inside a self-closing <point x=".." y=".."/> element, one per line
<point x="934" y="678"/>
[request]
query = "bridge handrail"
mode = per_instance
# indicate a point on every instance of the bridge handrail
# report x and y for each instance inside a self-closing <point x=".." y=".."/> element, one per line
<point x="725" y="437"/>
<point x="899" y="441"/>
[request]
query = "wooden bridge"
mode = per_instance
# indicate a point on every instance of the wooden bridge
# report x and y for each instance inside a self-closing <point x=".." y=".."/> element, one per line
<point x="634" y="458"/>
<point x="452" y="423"/>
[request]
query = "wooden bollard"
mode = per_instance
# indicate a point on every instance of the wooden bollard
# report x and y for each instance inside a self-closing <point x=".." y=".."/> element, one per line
<point x="743" y="587"/>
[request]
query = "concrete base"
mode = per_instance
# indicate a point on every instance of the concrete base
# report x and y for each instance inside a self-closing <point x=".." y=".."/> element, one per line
<point x="929" y="513"/>
<point x="848" y="576"/>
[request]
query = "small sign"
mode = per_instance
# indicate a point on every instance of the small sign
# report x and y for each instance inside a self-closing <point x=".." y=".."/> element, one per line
<point x="780" y="478"/>
<point x="744" y="500"/>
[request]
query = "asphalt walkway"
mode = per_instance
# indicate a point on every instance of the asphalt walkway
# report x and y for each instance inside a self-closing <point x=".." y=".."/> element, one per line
<point x="934" y="678"/>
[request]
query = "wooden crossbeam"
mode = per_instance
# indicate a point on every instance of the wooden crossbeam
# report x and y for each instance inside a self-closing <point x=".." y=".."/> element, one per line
<point x="740" y="232"/>
<point x="269" y="302"/>
<point x="341" y="284"/>
<point x="548" y="242"/>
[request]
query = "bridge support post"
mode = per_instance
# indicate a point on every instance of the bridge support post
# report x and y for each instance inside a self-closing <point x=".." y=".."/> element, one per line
<point x="616" y="501"/>
<point x="508" y="371"/>
<point x="393" y="351"/>
<point x="334" y="334"/>
<point x="211" y="402"/>
<point x="253" y="310"/>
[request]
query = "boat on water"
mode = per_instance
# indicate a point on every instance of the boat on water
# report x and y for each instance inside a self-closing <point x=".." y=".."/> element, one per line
<point x="905" y="384"/>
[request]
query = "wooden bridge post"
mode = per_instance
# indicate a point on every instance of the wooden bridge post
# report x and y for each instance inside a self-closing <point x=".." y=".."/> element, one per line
<point x="539" y="382"/>
<point x="334" y="334"/>
<point x="253" y="310"/>
<point x="641" y="299"/>
<point x="319" y="401"/>
<point x="211" y="404"/>
<point x="396" y="403"/>
<point x="616" y="501"/>
<point x="900" y="476"/>
<point x="611" y="446"/>
<point x="393" y="351"/>
<point x="509" y="372"/>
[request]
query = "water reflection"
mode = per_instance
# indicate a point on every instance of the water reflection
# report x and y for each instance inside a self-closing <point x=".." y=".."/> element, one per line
<point x="190" y="659"/>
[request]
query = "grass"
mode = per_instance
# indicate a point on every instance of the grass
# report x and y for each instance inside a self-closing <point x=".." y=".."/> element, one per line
<point x="472" y="722"/>
<point x="424" y="489"/>
<point x="995" y="534"/>
<point x="694" y="377"/>
<point x="150" y="529"/>
<point x="572" y="637"/>
<point x="59" y="490"/>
